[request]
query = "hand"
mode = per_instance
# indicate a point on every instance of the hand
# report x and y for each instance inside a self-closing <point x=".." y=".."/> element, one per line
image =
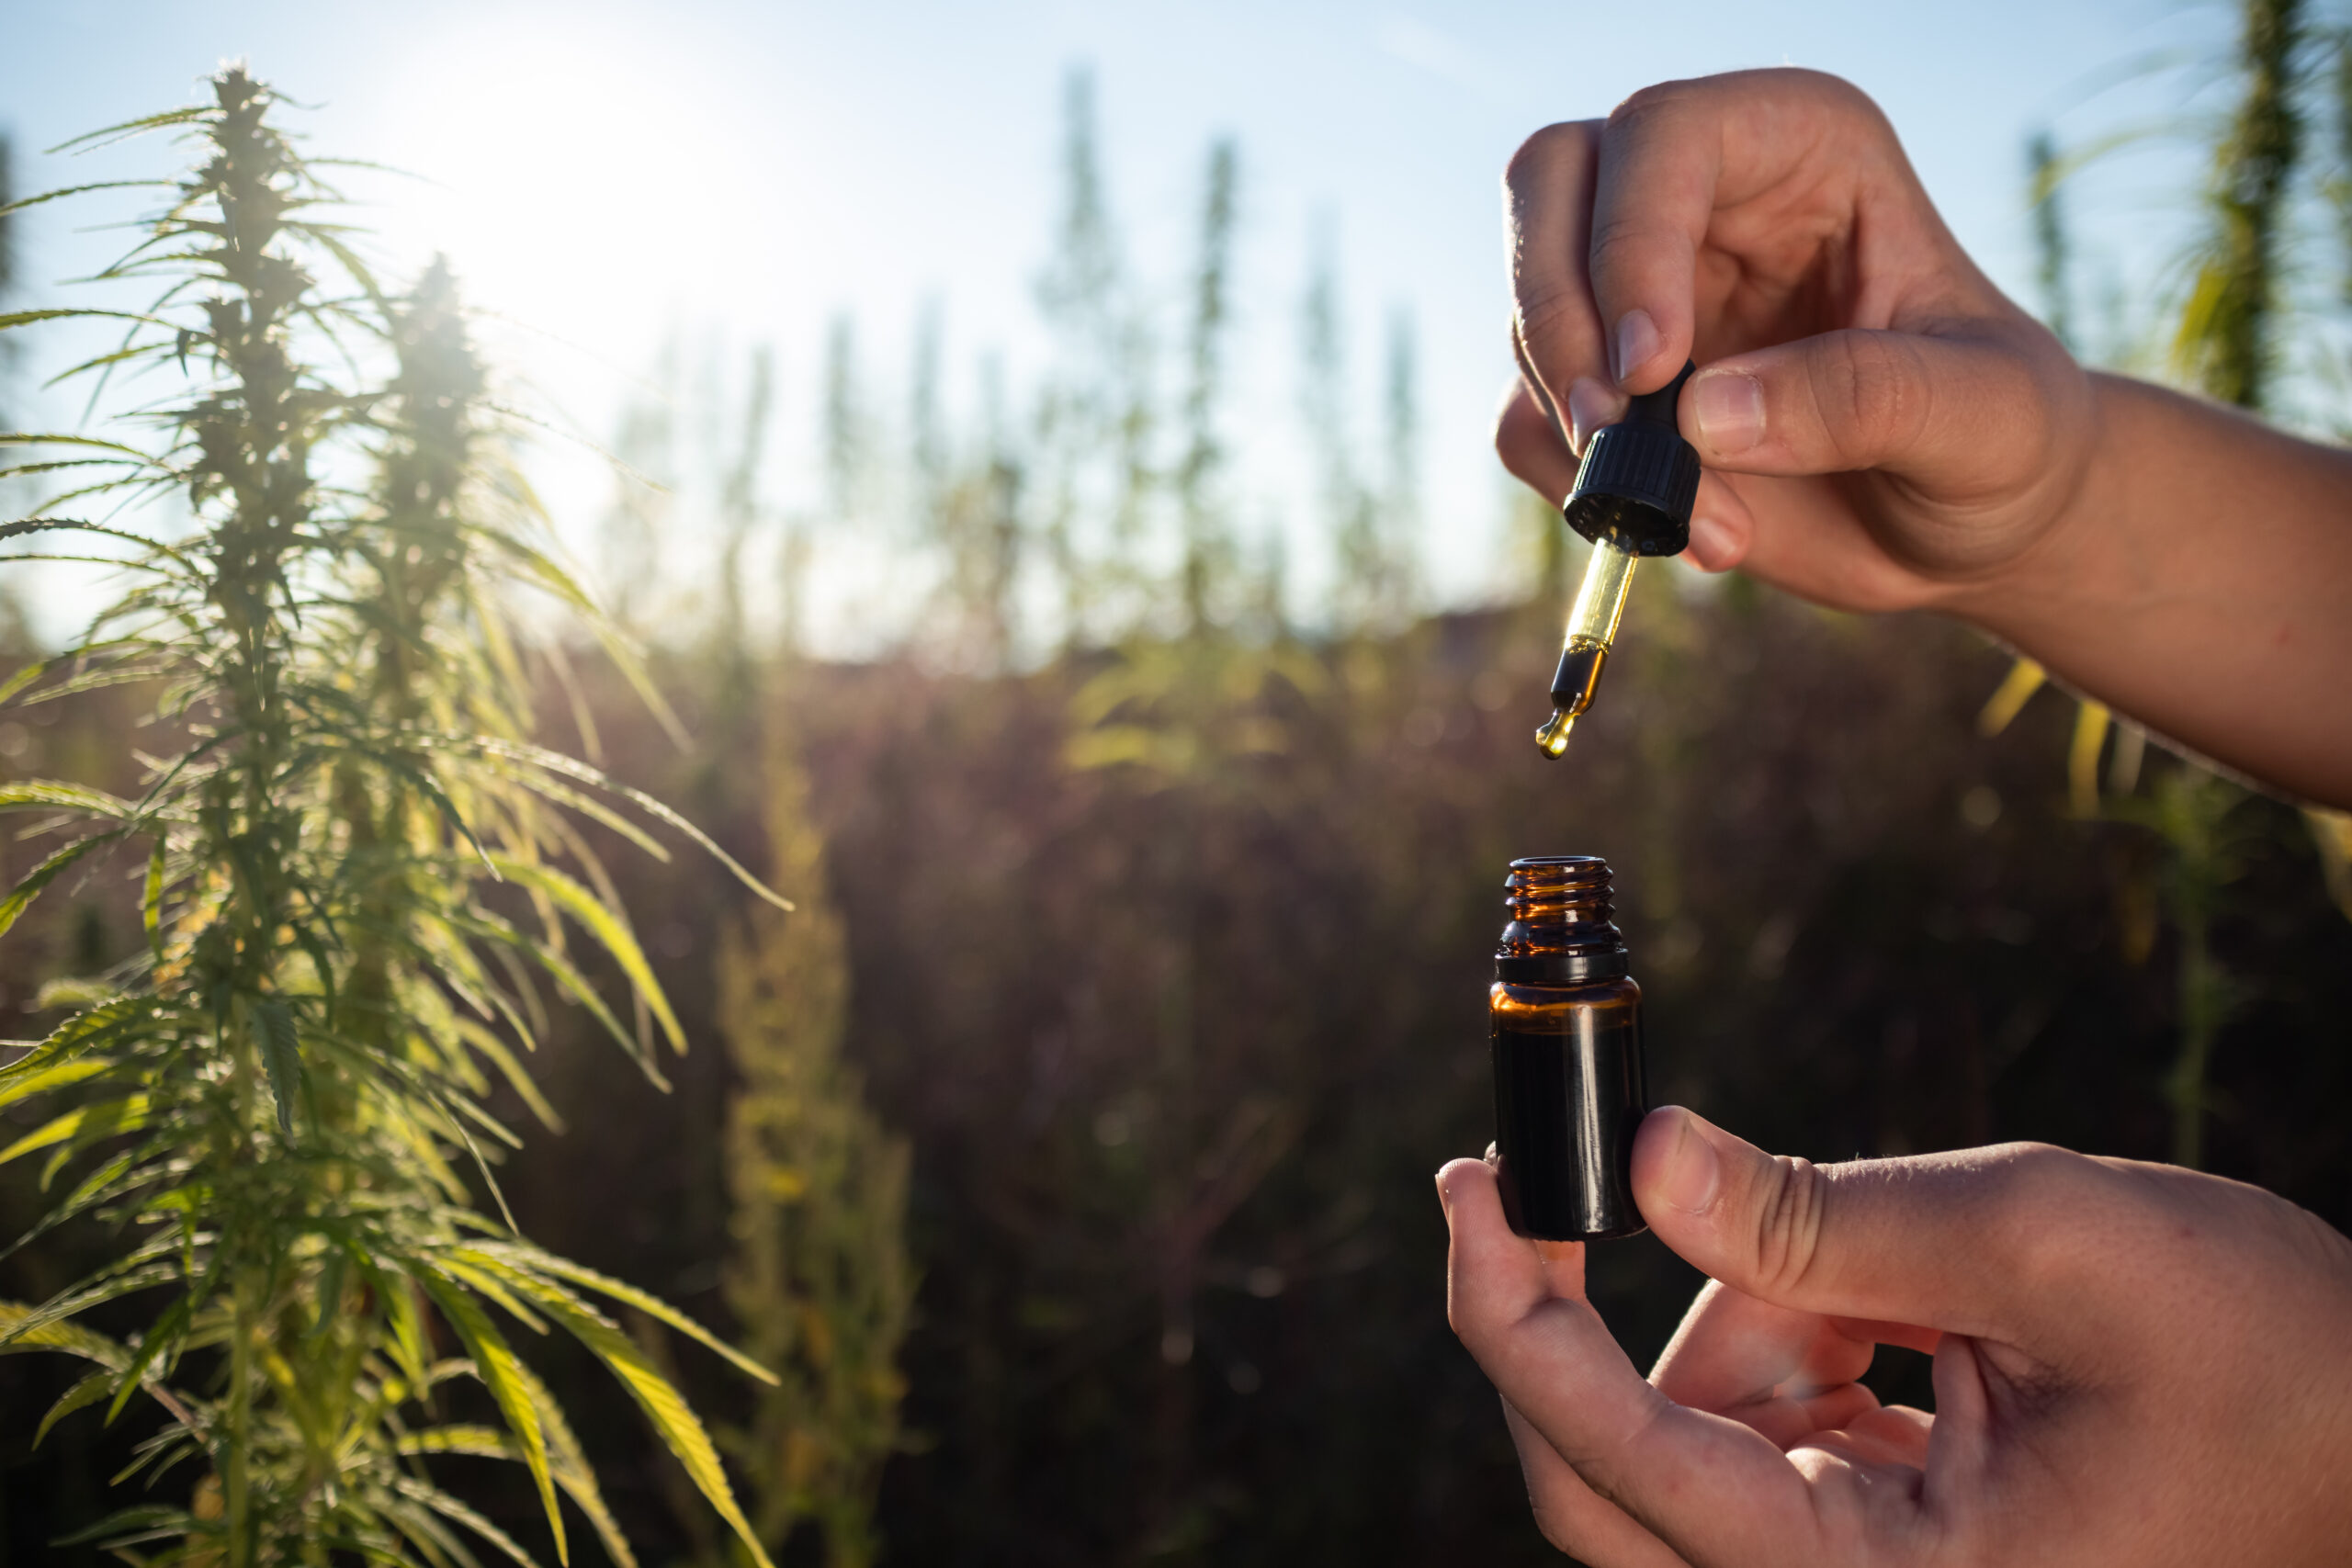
<point x="1881" y="428"/>
<point x="2134" y="1364"/>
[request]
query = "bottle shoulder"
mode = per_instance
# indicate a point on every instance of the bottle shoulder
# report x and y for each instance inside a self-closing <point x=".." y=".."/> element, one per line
<point x="1506" y="1000"/>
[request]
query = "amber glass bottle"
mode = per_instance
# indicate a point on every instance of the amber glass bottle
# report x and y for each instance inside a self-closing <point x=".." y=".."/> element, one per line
<point x="1567" y="1052"/>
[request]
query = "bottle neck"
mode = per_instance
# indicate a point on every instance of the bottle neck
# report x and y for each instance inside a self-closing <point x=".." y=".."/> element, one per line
<point x="1560" y="932"/>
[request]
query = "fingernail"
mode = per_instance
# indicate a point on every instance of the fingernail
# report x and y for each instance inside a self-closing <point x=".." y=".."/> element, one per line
<point x="1711" y="543"/>
<point x="1590" y="406"/>
<point x="1693" y="1172"/>
<point x="1729" y="407"/>
<point x="1636" y="341"/>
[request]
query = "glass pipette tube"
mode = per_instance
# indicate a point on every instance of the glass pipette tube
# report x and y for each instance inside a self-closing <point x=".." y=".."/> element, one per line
<point x="1592" y="627"/>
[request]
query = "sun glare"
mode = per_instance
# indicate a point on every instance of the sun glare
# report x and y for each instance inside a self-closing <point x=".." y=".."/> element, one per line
<point x="568" y="174"/>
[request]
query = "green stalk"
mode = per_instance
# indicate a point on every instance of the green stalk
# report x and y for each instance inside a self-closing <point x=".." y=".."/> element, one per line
<point x="235" y="1480"/>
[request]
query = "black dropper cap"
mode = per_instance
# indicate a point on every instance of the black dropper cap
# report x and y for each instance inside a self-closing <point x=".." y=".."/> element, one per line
<point x="1639" y="478"/>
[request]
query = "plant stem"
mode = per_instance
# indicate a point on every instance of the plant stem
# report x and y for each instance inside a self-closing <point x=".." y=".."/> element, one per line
<point x="234" y="1479"/>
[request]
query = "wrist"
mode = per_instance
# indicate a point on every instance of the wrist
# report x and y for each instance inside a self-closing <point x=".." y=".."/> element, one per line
<point x="2078" y="554"/>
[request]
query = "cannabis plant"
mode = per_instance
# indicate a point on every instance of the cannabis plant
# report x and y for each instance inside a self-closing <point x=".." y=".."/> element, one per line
<point x="359" y="874"/>
<point x="818" y="1276"/>
<point x="2228" y="343"/>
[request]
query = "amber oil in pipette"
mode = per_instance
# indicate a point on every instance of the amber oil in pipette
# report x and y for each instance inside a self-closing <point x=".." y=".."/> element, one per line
<point x="1592" y="627"/>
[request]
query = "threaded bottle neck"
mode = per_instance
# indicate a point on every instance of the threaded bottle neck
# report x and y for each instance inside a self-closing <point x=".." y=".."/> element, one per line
<point x="1560" y="932"/>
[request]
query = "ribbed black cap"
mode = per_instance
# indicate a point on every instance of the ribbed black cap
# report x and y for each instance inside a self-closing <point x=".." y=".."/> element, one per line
<point x="1639" y="478"/>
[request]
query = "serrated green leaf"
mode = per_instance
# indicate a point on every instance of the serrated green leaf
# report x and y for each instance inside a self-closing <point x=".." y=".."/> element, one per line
<point x="102" y="1120"/>
<point x="27" y="318"/>
<point x="79" y="1033"/>
<point x="81" y="1396"/>
<point x="481" y="1442"/>
<point x="499" y="1368"/>
<point x="150" y="897"/>
<point x="59" y="1076"/>
<point x="573" y="767"/>
<point x="76" y="190"/>
<point x="23" y="1326"/>
<point x="574" y="983"/>
<point x="127" y="128"/>
<point x="674" y="1422"/>
<point x="281" y="1054"/>
<point x="487" y="1041"/>
<point x="76" y="991"/>
<point x="566" y="1459"/>
<point x="442" y="1502"/>
<point x="21" y="897"/>
<point x="119" y="1527"/>
<point x="525" y="1257"/>
<point x="599" y="921"/>
<point x="159" y="1340"/>
<point x="59" y="438"/>
<point x="69" y="1337"/>
<point x="23" y="793"/>
<point x="572" y="1472"/>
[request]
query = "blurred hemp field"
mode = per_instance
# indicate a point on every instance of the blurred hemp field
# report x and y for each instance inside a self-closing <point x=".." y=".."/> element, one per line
<point x="1062" y="1157"/>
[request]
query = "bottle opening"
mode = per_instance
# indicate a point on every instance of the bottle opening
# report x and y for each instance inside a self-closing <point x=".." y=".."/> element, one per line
<point x="1560" y="931"/>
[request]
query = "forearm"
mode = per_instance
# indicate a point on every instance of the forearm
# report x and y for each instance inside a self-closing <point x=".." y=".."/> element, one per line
<point x="2200" y="583"/>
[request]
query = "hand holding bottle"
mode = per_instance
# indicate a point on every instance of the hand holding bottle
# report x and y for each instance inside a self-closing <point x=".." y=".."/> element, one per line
<point x="2134" y="1364"/>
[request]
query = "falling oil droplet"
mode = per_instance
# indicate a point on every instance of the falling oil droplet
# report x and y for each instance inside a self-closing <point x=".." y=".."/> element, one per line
<point x="1553" y="739"/>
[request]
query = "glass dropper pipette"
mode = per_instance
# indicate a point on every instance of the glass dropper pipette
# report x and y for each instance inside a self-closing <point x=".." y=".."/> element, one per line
<point x="1592" y="626"/>
<point x="1631" y="499"/>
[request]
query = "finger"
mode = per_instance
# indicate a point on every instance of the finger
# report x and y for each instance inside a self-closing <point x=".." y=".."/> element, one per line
<point x="1674" y="155"/>
<point x="1785" y="1374"/>
<point x="1591" y="404"/>
<point x="1804" y="535"/>
<point x="1654" y="192"/>
<point x="1832" y="1409"/>
<point x="1732" y="1348"/>
<point x="1709" y="1487"/>
<point x="1720" y="524"/>
<point x="1555" y="331"/>
<point x="1574" y="1517"/>
<point x="1530" y="445"/>
<point x="1968" y="1242"/>
<point x="1889" y="1434"/>
<point x="1876" y="1331"/>
<point x="1924" y="408"/>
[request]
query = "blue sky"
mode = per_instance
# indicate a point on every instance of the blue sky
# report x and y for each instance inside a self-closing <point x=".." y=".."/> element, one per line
<point x="605" y="174"/>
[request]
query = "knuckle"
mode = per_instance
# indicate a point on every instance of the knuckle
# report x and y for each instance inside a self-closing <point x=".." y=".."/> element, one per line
<point x="1870" y="400"/>
<point x="1808" y="80"/>
<point x="1617" y="239"/>
<point x="1788" y="1217"/>
<point x="1621" y="254"/>
<point x="2029" y="1177"/>
<point x="2033" y="1199"/>
<point x="1476" y="1322"/>
<point x="1567" y="140"/>
<point x="1551" y="320"/>
<point x="1645" y="106"/>
<point x="1554" y="1530"/>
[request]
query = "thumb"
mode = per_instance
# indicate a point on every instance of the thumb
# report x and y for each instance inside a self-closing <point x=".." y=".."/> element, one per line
<point x="1966" y="1242"/>
<point x="1927" y="408"/>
